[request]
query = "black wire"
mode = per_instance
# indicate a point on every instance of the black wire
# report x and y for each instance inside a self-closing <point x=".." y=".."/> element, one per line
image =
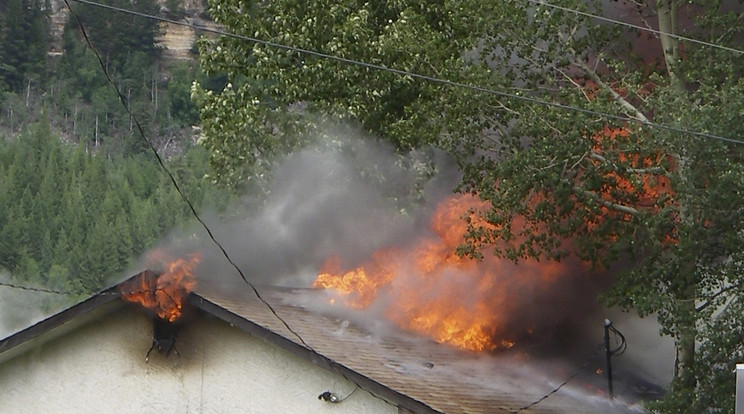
<point x="636" y="26"/>
<point x="349" y="395"/>
<point x="418" y="75"/>
<point x="141" y="131"/>
<point x="566" y="381"/>
<point x="191" y="207"/>
<point x="623" y="344"/>
<point x="75" y="293"/>
<point x="40" y="289"/>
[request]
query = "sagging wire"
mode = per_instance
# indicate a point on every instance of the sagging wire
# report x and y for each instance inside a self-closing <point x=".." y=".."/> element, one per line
<point x="561" y="385"/>
<point x="622" y="343"/>
<point x="636" y="26"/>
<point x="177" y="187"/>
<point x="192" y="209"/>
<point x="40" y="289"/>
<point x="432" y="79"/>
<point x="76" y="293"/>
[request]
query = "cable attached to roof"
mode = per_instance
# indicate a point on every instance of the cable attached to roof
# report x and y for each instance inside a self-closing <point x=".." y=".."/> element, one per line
<point x="561" y="385"/>
<point x="332" y="397"/>
<point x="154" y="150"/>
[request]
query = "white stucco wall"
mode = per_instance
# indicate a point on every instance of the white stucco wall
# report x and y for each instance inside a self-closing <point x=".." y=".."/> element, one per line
<point x="100" y="368"/>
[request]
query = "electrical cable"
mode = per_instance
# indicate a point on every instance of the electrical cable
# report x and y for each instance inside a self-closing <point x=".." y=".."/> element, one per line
<point x="623" y="344"/>
<point x="561" y="385"/>
<point x="635" y="26"/>
<point x="154" y="150"/>
<point x="193" y="210"/>
<point x="40" y="289"/>
<point x="415" y="75"/>
<point x="75" y="293"/>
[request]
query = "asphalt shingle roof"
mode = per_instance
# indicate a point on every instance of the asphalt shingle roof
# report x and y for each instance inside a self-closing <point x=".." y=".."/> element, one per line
<point x="426" y="376"/>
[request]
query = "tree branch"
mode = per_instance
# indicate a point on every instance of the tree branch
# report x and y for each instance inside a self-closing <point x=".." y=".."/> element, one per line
<point x="652" y="170"/>
<point x="618" y="98"/>
<point x="710" y="300"/>
<point x="667" y="15"/>
<point x="609" y="204"/>
<point x="579" y="87"/>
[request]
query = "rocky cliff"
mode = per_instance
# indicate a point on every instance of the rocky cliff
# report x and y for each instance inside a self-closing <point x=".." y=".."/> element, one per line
<point x="176" y="40"/>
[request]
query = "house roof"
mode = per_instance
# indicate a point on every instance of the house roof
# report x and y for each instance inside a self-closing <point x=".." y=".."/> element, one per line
<point x="408" y="371"/>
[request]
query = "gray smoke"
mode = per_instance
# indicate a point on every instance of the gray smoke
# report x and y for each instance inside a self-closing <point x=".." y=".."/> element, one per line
<point x="348" y="197"/>
<point x="20" y="308"/>
<point x="345" y="196"/>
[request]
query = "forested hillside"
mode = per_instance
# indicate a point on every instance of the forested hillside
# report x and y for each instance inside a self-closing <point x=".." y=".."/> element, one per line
<point x="81" y="194"/>
<point x="80" y="103"/>
<point x="70" y="219"/>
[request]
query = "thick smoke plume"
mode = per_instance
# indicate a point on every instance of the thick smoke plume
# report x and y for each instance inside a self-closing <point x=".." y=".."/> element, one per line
<point x="341" y="197"/>
<point x="348" y="197"/>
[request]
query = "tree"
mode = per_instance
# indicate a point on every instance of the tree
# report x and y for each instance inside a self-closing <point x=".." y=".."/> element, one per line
<point x="558" y="181"/>
<point x="267" y="85"/>
<point x="24" y="43"/>
<point x="179" y="91"/>
<point x="116" y="37"/>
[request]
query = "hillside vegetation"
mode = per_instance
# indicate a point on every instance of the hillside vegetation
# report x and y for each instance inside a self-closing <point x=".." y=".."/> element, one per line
<point x="81" y="195"/>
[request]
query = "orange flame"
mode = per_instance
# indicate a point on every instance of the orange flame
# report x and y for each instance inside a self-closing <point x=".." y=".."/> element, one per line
<point x="638" y="186"/>
<point x="653" y="187"/>
<point x="429" y="289"/>
<point x="163" y="293"/>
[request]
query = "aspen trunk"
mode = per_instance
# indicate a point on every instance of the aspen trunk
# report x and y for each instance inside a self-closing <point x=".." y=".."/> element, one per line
<point x="667" y="10"/>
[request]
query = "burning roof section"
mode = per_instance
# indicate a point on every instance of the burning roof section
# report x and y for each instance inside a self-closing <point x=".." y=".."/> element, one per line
<point x="406" y="369"/>
<point x="163" y="292"/>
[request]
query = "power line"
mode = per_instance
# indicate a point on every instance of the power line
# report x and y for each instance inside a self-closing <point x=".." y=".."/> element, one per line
<point x="39" y="289"/>
<point x="562" y="384"/>
<point x="173" y="180"/>
<point x="193" y="210"/>
<point x="415" y="75"/>
<point x="635" y="26"/>
<point x="75" y="293"/>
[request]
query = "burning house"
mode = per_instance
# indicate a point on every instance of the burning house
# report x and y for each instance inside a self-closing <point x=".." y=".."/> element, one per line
<point x="383" y="317"/>
<point x="157" y="342"/>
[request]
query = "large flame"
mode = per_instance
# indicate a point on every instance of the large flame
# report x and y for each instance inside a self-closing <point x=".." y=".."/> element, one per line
<point x="493" y="303"/>
<point x="163" y="293"/>
<point x="429" y="289"/>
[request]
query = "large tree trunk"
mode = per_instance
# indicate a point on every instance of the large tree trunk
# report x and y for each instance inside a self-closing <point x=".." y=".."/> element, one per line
<point x="685" y="343"/>
<point x="667" y="11"/>
<point x="684" y="369"/>
<point x="685" y="378"/>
